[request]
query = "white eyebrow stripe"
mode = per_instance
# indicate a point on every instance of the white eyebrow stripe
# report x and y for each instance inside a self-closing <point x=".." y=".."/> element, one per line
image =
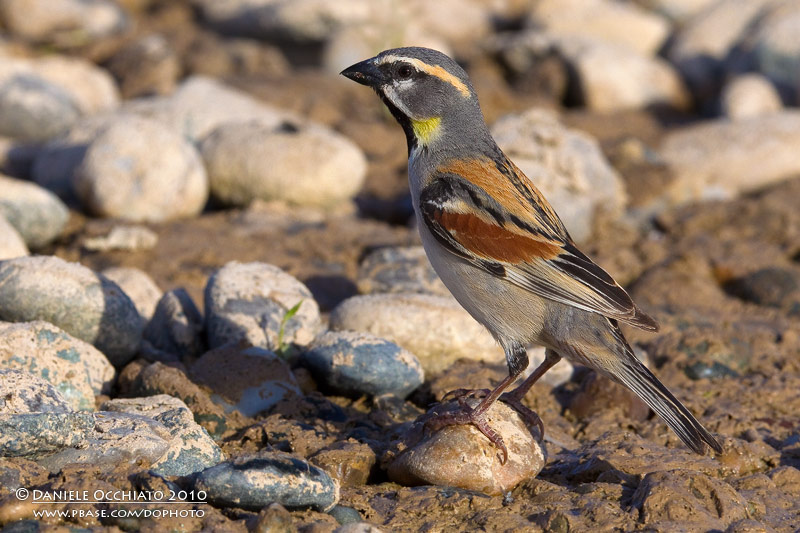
<point x="433" y="70"/>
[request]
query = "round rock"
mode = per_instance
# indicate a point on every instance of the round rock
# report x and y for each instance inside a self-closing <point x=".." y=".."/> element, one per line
<point x="246" y="378"/>
<point x="11" y="243"/>
<point x="176" y="329"/>
<point x="434" y="328"/>
<point x="352" y="363"/>
<point x="399" y="269"/>
<point x="76" y="368"/>
<point x="60" y="21"/>
<point x="23" y="392"/>
<point x="139" y="287"/>
<point x="461" y="456"/>
<point x="297" y="163"/>
<point x="253" y="481"/>
<point x="38" y="214"/>
<point x="749" y="95"/>
<point x="251" y="302"/>
<point x="82" y="303"/>
<point x="35" y="434"/>
<point x="32" y="109"/>
<point x="139" y="170"/>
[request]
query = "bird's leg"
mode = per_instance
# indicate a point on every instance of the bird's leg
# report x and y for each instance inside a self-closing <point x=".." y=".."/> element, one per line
<point x="517" y="359"/>
<point x="514" y="398"/>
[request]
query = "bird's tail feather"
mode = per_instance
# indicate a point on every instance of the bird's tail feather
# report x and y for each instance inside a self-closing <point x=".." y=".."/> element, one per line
<point x="640" y="380"/>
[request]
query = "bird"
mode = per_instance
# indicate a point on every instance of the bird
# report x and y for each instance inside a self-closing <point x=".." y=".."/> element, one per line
<point x="502" y="251"/>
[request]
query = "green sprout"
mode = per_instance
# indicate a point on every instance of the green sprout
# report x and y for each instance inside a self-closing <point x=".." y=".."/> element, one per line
<point x="284" y="348"/>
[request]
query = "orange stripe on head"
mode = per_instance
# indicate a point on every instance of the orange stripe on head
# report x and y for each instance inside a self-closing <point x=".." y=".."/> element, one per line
<point x="433" y="70"/>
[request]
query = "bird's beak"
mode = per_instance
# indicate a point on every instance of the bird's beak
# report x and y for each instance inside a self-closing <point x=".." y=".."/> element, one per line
<point x="365" y="73"/>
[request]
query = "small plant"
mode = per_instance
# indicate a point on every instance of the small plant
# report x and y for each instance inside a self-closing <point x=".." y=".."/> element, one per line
<point x="284" y="349"/>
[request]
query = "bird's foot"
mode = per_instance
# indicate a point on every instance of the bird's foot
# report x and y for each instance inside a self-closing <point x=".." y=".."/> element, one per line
<point x="528" y="415"/>
<point x="466" y="415"/>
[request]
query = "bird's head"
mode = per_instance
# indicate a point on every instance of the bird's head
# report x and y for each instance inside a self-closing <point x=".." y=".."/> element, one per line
<point x="425" y="90"/>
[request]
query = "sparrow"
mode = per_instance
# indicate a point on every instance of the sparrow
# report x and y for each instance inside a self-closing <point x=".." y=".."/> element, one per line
<point x="502" y="251"/>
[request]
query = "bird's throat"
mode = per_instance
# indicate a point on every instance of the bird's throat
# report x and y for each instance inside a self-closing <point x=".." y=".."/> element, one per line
<point x="426" y="130"/>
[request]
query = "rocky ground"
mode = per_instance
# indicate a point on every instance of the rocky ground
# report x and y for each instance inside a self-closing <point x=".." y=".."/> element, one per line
<point x="210" y="285"/>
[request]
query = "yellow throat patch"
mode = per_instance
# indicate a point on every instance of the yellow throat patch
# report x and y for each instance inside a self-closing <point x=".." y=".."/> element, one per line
<point x="427" y="130"/>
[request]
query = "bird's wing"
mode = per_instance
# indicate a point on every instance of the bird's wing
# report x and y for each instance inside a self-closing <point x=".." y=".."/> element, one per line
<point x="489" y="213"/>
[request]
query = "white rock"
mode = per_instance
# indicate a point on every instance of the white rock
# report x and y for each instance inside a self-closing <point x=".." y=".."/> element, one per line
<point x="250" y="302"/>
<point x="567" y="166"/>
<point x="612" y="77"/>
<point x="748" y="96"/>
<point x="722" y="159"/>
<point x="61" y="21"/>
<point x="434" y="328"/>
<point x="32" y="109"/>
<point x="23" y="392"/>
<point x="201" y="104"/>
<point x="299" y="164"/>
<point x="76" y="368"/>
<point x="35" y="212"/>
<point x="622" y="23"/>
<point x="138" y="170"/>
<point x="128" y="238"/>
<point x="139" y="286"/>
<point x="11" y="242"/>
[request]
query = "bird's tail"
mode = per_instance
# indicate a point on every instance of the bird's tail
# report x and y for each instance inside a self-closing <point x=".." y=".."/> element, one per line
<point x="640" y="380"/>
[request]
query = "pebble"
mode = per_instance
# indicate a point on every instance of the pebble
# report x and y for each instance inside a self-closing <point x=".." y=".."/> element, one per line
<point x="773" y="43"/>
<point x="139" y="286"/>
<point x="434" y="328"/>
<point x="345" y="515"/>
<point x="246" y="378"/>
<point x="253" y="481"/>
<point x="62" y="21"/>
<point x="399" y="269"/>
<point x="76" y="368"/>
<point x="191" y="449"/>
<point x="23" y="392"/>
<point x="567" y="166"/>
<point x="250" y="301"/>
<point x="35" y="212"/>
<point x="122" y="176"/>
<point x="772" y="287"/>
<point x="274" y="518"/>
<point x="292" y="162"/>
<point x="115" y="439"/>
<point x="11" y="243"/>
<point x="461" y="456"/>
<point x="348" y="462"/>
<point x="175" y="330"/>
<point x="84" y="304"/>
<point x="358" y="527"/>
<point x="719" y="159"/>
<point x="34" y="435"/>
<point x="617" y="23"/>
<point x="749" y="95"/>
<point x="355" y="364"/>
<point x="126" y="238"/>
<point x="612" y="77"/>
<point x="33" y="110"/>
<point x="147" y="66"/>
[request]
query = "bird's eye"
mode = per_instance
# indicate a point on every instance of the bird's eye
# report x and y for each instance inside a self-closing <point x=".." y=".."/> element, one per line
<point x="404" y="72"/>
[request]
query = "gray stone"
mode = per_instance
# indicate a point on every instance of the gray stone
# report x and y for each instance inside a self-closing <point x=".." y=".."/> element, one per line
<point x="22" y="392"/>
<point x="61" y="21"/>
<point x="127" y="238"/>
<point x="139" y="170"/>
<point x="297" y="163"/>
<point x="253" y="481"/>
<point x="82" y="303"/>
<point x="11" y="243"/>
<point x="723" y="159"/>
<point x="619" y="23"/>
<point x="353" y="363"/>
<point x="567" y="166"/>
<point x="139" y="287"/>
<point x="748" y="96"/>
<point x="176" y="328"/>
<point x="38" y="214"/>
<point x="250" y="301"/>
<point x="399" y="269"/>
<point x="434" y="328"/>
<point x="462" y="456"/>
<point x="32" y="109"/>
<point x="246" y="378"/>
<point x="115" y="439"/>
<point x="76" y="368"/>
<point x="191" y="448"/>
<point x="33" y="435"/>
<point x="775" y="46"/>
